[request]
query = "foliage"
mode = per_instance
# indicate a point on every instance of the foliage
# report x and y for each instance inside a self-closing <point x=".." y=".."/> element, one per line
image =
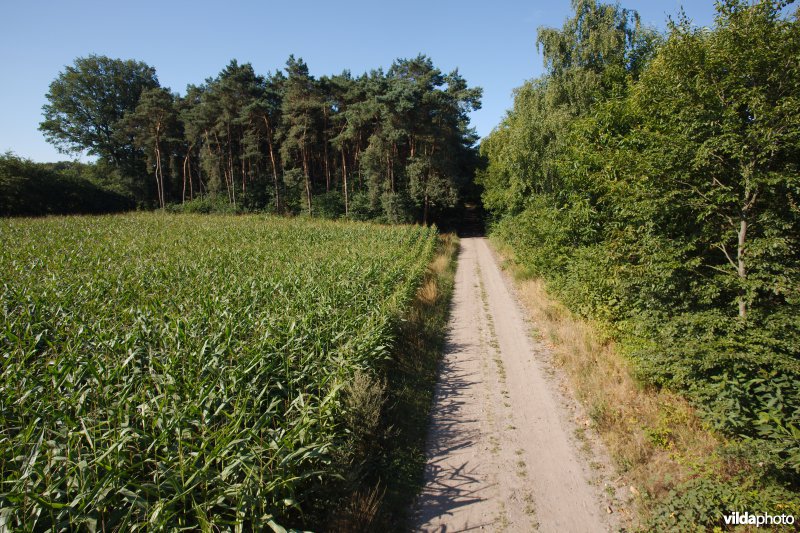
<point x="87" y="103"/>
<point x="32" y="189"/>
<point x="188" y="371"/>
<point x="152" y="125"/>
<point x="329" y="205"/>
<point x="702" y="503"/>
<point x="205" y="205"/>
<point x="361" y="208"/>
<point x="403" y="133"/>
<point x="653" y="183"/>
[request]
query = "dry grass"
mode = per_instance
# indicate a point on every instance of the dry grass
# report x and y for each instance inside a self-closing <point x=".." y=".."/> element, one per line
<point x="360" y="512"/>
<point x="654" y="437"/>
<point x="429" y="293"/>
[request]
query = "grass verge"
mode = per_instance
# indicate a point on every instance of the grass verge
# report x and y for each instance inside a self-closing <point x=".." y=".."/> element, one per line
<point x="390" y="411"/>
<point x="673" y="464"/>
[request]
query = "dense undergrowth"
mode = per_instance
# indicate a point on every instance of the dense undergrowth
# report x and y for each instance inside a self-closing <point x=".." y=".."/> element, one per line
<point x="34" y="189"/>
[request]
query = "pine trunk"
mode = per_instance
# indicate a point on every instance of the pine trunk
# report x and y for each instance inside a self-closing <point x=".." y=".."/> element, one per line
<point x="344" y="181"/>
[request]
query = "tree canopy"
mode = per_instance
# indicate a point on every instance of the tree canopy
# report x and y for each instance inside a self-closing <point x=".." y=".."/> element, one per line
<point x="396" y="145"/>
<point x="86" y="105"/>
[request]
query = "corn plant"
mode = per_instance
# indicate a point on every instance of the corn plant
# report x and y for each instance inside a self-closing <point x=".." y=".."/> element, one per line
<point x="186" y="371"/>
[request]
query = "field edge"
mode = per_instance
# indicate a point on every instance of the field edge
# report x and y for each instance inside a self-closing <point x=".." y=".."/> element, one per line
<point x="384" y="497"/>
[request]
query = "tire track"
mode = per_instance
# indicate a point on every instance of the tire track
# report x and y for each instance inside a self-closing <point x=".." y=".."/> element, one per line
<point x="501" y="451"/>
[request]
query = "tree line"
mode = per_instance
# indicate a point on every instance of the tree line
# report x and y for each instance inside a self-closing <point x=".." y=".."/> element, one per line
<point x="34" y="189"/>
<point x="395" y="145"/>
<point x="653" y="180"/>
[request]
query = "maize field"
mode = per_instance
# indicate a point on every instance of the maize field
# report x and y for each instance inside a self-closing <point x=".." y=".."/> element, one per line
<point x="183" y="371"/>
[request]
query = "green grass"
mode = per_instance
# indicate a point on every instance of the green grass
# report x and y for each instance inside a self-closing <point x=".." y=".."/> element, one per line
<point x="189" y="371"/>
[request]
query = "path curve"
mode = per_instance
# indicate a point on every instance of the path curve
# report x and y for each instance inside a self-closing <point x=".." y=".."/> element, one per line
<point x="502" y="452"/>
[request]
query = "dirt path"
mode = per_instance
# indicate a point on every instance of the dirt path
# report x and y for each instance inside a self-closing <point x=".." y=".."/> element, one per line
<point x="502" y="452"/>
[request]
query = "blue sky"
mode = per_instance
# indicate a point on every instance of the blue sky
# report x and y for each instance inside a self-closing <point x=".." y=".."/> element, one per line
<point x="493" y="44"/>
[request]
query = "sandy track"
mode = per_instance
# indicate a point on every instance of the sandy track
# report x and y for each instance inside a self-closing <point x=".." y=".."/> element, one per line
<point x="501" y="448"/>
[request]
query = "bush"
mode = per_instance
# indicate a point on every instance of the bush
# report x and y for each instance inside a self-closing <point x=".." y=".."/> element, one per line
<point x="397" y="208"/>
<point x="701" y="504"/>
<point x="328" y="205"/>
<point x="35" y="189"/>
<point x="207" y="204"/>
<point x="361" y="207"/>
